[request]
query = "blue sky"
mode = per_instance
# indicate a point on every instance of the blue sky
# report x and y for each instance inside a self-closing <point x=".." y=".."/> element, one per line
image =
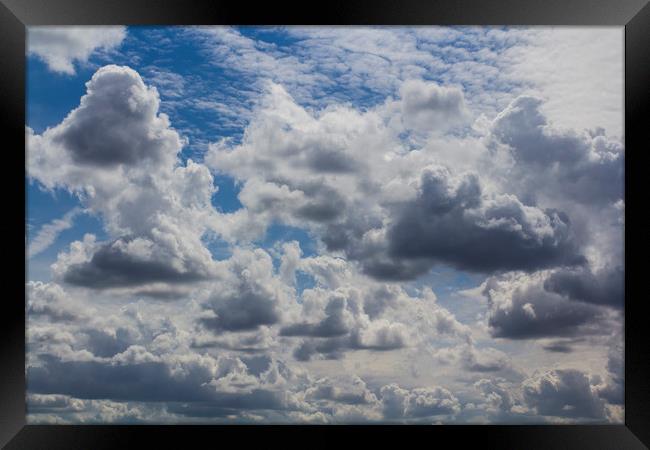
<point x="325" y="224"/>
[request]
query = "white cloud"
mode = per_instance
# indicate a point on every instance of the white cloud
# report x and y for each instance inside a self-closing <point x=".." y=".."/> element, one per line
<point x="579" y="71"/>
<point x="61" y="47"/>
<point x="49" y="232"/>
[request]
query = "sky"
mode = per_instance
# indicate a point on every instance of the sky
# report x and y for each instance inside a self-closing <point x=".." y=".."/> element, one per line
<point x="337" y="225"/>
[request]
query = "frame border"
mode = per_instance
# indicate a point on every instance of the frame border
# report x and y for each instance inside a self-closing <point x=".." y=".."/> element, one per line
<point x="15" y="15"/>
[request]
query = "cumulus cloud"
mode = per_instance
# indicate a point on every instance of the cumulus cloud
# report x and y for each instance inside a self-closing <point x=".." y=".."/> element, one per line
<point x="50" y="300"/>
<point x="407" y="192"/>
<point x="605" y="287"/>
<point x="342" y="326"/>
<point x="587" y="166"/>
<point x="61" y="47"/>
<point x="520" y="308"/>
<point x="116" y="122"/>
<point x="251" y="296"/>
<point x="564" y="393"/>
<point x="119" y="156"/>
<point x="129" y="262"/>
<point x="400" y="403"/>
<point x="390" y="211"/>
<point x="450" y="222"/>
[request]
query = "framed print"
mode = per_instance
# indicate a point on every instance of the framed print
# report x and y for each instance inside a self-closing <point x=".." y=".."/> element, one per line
<point x="373" y="220"/>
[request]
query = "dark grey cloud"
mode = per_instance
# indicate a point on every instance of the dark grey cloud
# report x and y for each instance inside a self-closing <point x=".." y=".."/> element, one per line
<point x="527" y="311"/>
<point x="323" y="160"/>
<point x="558" y="347"/>
<point x="117" y="122"/>
<point x="564" y="393"/>
<point x="112" y="266"/>
<point x="229" y="404"/>
<point x="105" y="345"/>
<point x="243" y="310"/>
<point x="188" y="395"/>
<point x="323" y="204"/>
<point x="377" y="300"/>
<point x="335" y="347"/>
<point x="604" y="287"/>
<point x="319" y="212"/>
<point x="146" y="381"/>
<point x="457" y="227"/>
<point x="252" y="343"/>
<point x="386" y="268"/>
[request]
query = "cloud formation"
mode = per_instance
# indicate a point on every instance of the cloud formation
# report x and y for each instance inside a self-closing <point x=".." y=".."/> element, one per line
<point x="61" y="47"/>
<point x="426" y="244"/>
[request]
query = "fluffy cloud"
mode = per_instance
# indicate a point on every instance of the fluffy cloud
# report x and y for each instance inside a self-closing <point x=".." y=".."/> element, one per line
<point x="564" y="393"/>
<point x="587" y="167"/>
<point x="521" y="308"/>
<point x="127" y="262"/>
<point x="60" y="47"/>
<point x="116" y="123"/>
<point x="119" y="156"/>
<point x="451" y="223"/>
<point x="49" y="300"/>
<point x="387" y="207"/>
<point x="399" y="403"/>
<point x="251" y="295"/>
<point x="336" y="323"/>
<point x="400" y="193"/>
<point x="605" y="287"/>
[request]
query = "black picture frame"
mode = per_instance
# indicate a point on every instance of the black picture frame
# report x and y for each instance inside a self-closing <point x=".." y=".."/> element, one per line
<point x="15" y="15"/>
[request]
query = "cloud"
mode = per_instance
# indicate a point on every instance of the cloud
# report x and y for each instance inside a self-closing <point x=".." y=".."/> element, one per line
<point x="498" y="396"/>
<point x="520" y="308"/>
<point x="60" y="47"/>
<point x="614" y="389"/>
<point x="119" y="156"/>
<point x="49" y="232"/>
<point x="346" y="312"/>
<point x="399" y="403"/>
<point x="343" y="327"/>
<point x="428" y="106"/>
<point x="391" y="211"/>
<point x="564" y="393"/>
<point x="567" y="66"/>
<point x="249" y="296"/>
<point x="129" y="262"/>
<point x="117" y="122"/>
<point x="404" y="188"/>
<point x="341" y="390"/>
<point x="148" y="380"/>
<point x="451" y="223"/>
<point x="49" y="300"/>
<point x="587" y="167"/>
<point x="604" y="287"/>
